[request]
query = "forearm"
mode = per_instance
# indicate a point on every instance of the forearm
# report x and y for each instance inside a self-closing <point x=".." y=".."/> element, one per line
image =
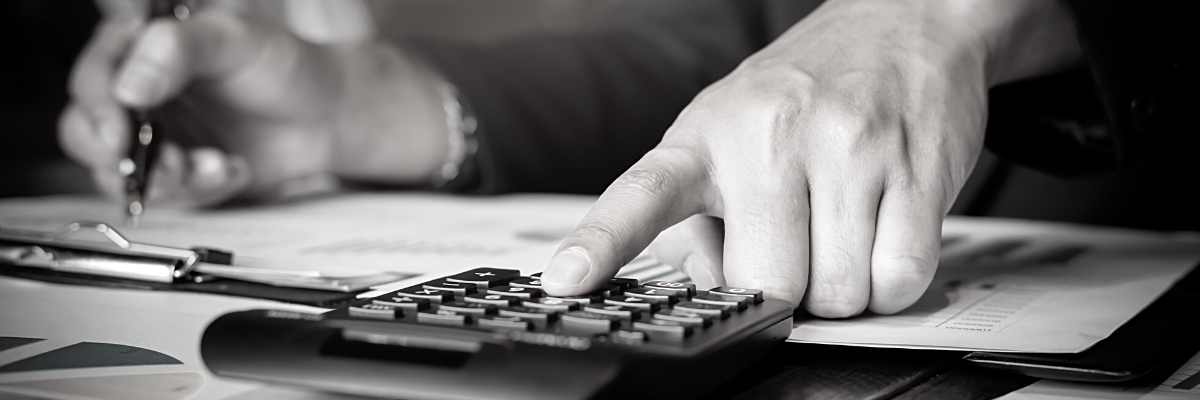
<point x="1007" y="40"/>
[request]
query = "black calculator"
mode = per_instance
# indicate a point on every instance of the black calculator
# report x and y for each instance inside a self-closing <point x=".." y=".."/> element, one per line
<point x="491" y="333"/>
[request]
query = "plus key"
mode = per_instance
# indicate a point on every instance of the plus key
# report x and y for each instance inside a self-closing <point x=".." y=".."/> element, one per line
<point x="486" y="277"/>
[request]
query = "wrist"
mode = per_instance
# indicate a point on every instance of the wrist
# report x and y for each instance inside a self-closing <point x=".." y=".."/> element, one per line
<point x="390" y="126"/>
<point x="1018" y="39"/>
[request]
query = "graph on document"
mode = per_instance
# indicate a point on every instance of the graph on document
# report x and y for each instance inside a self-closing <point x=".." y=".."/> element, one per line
<point x="984" y="306"/>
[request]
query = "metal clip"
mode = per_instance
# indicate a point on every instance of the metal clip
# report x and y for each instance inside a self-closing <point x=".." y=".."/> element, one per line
<point x="57" y="250"/>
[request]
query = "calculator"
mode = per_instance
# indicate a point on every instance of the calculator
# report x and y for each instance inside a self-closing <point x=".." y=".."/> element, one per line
<point x="490" y="333"/>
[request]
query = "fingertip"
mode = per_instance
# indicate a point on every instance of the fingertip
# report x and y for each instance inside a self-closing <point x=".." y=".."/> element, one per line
<point x="209" y="169"/>
<point x="704" y="273"/>
<point x="92" y="137"/>
<point x="789" y="289"/>
<point x="835" y="308"/>
<point x="140" y="85"/>
<point x="898" y="283"/>
<point x="568" y="273"/>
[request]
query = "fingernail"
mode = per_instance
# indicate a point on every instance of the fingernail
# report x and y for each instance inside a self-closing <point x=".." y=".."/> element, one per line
<point x="568" y="268"/>
<point x="698" y="269"/>
<point x="140" y="84"/>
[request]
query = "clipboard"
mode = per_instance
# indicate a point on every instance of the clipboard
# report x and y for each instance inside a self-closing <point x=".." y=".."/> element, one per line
<point x="62" y="256"/>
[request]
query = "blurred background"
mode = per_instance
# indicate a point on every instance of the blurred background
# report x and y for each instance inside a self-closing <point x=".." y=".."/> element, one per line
<point x="41" y="39"/>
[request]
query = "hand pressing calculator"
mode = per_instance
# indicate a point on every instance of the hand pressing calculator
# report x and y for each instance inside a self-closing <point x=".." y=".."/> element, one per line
<point x="490" y="333"/>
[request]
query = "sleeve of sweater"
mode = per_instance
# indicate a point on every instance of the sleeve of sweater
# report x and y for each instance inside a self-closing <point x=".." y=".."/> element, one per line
<point x="570" y="112"/>
<point x="1137" y="86"/>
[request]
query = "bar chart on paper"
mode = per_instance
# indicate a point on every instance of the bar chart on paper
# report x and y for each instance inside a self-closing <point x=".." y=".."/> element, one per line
<point x="985" y="306"/>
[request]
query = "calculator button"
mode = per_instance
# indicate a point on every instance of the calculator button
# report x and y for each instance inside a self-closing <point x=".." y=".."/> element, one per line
<point x="535" y="283"/>
<point x="581" y="300"/>
<point x="660" y="330"/>
<point x="754" y="295"/>
<point x="712" y="310"/>
<point x="641" y="303"/>
<point x="521" y="292"/>
<point x="626" y="313"/>
<point x="627" y="337"/>
<point x="493" y="299"/>
<point x="539" y="317"/>
<point x="443" y="317"/>
<point x="372" y="310"/>
<point x="433" y="295"/>
<point x="504" y="322"/>
<point x="408" y="303"/>
<point x="486" y="277"/>
<point x="462" y="307"/>
<point x="691" y="319"/>
<point x="590" y="323"/>
<point x="737" y="303"/>
<point x="458" y="288"/>
<point x="551" y="303"/>
<point x="623" y="283"/>
<point x="606" y="290"/>
<point x="665" y="297"/>
<point x="685" y="289"/>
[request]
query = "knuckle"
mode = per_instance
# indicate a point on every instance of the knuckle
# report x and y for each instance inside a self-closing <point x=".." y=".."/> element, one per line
<point x="658" y="174"/>
<point x="652" y="180"/>
<point x="902" y="276"/>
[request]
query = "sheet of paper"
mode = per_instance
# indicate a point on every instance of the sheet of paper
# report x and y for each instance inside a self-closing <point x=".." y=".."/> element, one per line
<point x="164" y="326"/>
<point x="1023" y="287"/>
<point x="1184" y="383"/>
<point x="346" y="234"/>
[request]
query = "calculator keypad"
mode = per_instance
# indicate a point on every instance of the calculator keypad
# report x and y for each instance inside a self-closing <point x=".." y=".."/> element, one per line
<point x="621" y="312"/>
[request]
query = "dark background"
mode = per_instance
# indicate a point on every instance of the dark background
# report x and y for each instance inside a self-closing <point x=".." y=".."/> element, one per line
<point x="40" y="40"/>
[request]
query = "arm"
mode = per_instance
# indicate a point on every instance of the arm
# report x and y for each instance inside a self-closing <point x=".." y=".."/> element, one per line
<point x="831" y="156"/>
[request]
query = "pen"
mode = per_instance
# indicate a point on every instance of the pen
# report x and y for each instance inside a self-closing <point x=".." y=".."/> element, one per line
<point x="147" y="132"/>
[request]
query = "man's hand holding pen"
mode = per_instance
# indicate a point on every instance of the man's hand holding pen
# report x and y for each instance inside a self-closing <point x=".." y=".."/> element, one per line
<point x="247" y="107"/>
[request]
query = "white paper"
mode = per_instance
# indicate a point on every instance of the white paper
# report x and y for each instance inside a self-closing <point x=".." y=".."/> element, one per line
<point x="1014" y="302"/>
<point x="1179" y="386"/>
<point x="409" y="233"/>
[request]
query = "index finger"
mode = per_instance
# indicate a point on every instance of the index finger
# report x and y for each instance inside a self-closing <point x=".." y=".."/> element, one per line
<point x="660" y="190"/>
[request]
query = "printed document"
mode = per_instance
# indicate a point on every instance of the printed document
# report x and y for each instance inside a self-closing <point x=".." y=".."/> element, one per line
<point x="1023" y="287"/>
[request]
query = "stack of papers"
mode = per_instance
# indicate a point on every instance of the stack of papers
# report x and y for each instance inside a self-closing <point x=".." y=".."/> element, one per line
<point x="1017" y="286"/>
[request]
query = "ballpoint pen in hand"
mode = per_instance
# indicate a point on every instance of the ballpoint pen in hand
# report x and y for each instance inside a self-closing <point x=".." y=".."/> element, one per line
<point x="147" y="132"/>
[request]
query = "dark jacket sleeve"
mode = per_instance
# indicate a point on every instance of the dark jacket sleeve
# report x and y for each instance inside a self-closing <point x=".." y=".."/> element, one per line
<point x="1139" y="84"/>
<point x="569" y="113"/>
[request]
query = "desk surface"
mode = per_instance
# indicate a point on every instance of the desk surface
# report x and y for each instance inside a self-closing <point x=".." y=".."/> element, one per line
<point x="804" y="371"/>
